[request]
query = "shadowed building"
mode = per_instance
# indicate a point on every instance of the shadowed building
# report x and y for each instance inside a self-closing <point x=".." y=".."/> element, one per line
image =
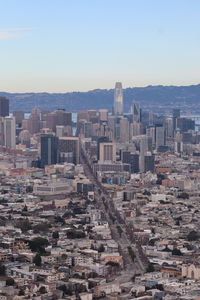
<point x="4" y="106"/>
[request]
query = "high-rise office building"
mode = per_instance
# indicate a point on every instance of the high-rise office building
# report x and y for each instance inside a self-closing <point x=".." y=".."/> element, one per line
<point x="107" y="152"/>
<point x="48" y="149"/>
<point x="175" y="115"/>
<point x="102" y="139"/>
<point x="51" y="121"/>
<point x="2" y="131"/>
<point x="34" y="121"/>
<point x="169" y="125"/>
<point x="160" y="135"/>
<point x="124" y="128"/>
<point x="118" y="99"/>
<point x="63" y="117"/>
<point x="10" y="132"/>
<point x="143" y="150"/>
<point x="19" y="117"/>
<point x="69" y="149"/>
<point x="85" y="129"/>
<point x="185" y="124"/>
<point x="135" y="129"/>
<point x="103" y="115"/>
<point x="4" y="106"/>
<point x="132" y="159"/>
<point x="136" y="112"/>
<point x="151" y="132"/>
<point x="149" y="162"/>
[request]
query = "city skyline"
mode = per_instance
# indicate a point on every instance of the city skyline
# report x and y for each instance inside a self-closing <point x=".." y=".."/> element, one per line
<point x="67" y="46"/>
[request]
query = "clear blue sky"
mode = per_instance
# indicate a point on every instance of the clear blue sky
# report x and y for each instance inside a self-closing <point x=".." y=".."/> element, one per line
<point x="71" y="45"/>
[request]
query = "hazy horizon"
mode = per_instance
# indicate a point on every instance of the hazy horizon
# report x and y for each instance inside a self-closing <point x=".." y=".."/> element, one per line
<point x="103" y="88"/>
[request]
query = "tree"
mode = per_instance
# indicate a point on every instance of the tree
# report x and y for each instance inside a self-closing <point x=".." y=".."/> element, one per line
<point x="24" y="225"/>
<point x="25" y="209"/>
<point x="38" y="244"/>
<point x="112" y="264"/>
<point x="183" y="196"/>
<point x="21" y="292"/>
<point x="55" y="235"/>
<point x="101" y="248"/>
<point x="119" y="229"/>
<point x="177" y="252"/>
<point x="146" y="193"/>
<point x="65" y="290"/>
<point x="42" y="290"/>
<point x="131" y="253"/>
<point x="150" y="268"/>
<point x="192" y="236"/>
<point x="75" y="234"/>
<point x="42" y="227"/>
<point x="37" y="260"/>
<point x="10" y="281"/>
<point x="2" y="270"/>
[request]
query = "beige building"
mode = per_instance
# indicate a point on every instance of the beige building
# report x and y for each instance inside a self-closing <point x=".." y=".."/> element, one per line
<point x="107" y="152"/>
<point x="191" y="271"/>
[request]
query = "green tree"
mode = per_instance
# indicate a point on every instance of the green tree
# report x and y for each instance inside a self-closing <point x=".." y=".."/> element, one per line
<point x="21" y="292"/>
<point x="37" y="260"/>
<point x="75" y="234"/>
<point x="42" y="227"/>
<point x="119" y="229"/>
<point x="38" y="244"/>
<point x="150" y="268"/>
<point x="10" y="281"/>
<point x="42" y="290"/>
<point x="55" y="235"/>
<point x="177" y="252"/>
<point x="183" y="195"/>
<point x="2" y="270"/>
<point x="101" y="248"/>
<point x="24" y="225"/>
<point x="131" y="253"/>
<point x="112" y="264"/>
<point x="192" y="236"/>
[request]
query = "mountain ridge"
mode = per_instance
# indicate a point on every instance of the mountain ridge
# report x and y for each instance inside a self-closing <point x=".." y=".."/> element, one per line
<point x="158" y="97"/>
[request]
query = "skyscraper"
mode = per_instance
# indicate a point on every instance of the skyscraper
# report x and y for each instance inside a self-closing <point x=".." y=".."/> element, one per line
<point x="107" y="152"/>
<point x="4" y="107"/>
<point x="124" y="128"/>
<point x="175" y="114"/>
<point x="48" y="149"/>
<point x="136" y="112"/>
<point x="69" y="149"/>
<point x="10" y="132"/>
<point x="159" y="135"/>
<point x="118" y="99"/>
<point x="103" y="115"/>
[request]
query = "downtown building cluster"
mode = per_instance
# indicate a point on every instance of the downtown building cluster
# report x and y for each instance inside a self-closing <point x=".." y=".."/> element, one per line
<point x="109" y="211"/>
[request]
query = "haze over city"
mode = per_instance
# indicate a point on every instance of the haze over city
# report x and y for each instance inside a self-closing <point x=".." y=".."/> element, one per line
<point x="62" y="46"/>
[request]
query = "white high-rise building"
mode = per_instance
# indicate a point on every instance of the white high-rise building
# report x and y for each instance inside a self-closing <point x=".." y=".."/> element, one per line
<point x="10" y="132"/>
<point x="118" y="99"/>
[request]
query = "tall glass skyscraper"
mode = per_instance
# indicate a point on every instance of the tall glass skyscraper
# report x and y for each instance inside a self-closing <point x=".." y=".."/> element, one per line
<point x="136" y="112"/>
<point x="48" y="149"/>
<point x="118" y="99"/>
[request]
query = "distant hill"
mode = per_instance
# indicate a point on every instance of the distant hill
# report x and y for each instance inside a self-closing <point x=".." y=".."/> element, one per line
<point x="156" y="98"/>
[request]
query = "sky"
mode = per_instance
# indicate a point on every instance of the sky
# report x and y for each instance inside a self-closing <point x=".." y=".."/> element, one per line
<point x="80" y="45"/>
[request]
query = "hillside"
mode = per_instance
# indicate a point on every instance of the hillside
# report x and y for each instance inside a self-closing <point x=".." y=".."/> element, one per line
<point x="157" y="98"/>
